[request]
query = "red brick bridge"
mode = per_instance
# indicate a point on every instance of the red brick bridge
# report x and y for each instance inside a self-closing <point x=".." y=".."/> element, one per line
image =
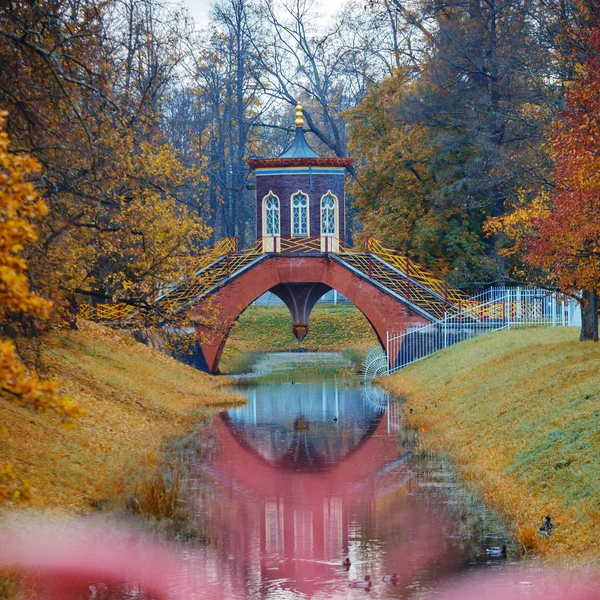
<point x="299" y="256"/>
<point x="392" y="294"/>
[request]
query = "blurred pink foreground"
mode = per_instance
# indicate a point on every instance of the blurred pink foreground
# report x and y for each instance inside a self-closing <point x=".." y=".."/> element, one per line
<point x="65" y="559"/>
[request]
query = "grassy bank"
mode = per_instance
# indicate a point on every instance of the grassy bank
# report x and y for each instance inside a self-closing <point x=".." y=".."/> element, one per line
<point x="519" y="414"/>
<point x="269" y="329"/>
<point x="135" y="398"/>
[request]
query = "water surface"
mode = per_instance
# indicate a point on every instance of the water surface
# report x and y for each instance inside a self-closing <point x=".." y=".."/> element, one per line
<point x="318" y="467"/>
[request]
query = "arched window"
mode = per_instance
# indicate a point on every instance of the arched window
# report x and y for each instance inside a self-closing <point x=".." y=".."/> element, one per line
<point x="328" y="216"/>
<point x="271" y="214"/>
<point x="300" y="214"/>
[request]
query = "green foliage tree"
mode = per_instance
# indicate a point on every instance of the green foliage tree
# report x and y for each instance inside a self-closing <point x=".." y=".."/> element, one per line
<point x="455" y="142"/>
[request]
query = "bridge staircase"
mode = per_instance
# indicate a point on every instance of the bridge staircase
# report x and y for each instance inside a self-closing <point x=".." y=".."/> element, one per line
<point x="216" y="267"/>
<point x="391" y="272"/>
<point x="423" y="299"/>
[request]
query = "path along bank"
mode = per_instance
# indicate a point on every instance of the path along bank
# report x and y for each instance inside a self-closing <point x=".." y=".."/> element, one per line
<point x="519" y="414"/>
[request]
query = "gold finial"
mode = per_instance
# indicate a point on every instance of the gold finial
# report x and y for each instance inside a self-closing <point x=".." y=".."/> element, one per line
<point x="299" y="122"/>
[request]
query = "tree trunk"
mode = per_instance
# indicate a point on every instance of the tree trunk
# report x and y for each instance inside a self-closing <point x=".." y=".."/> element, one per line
<point x="73" y="313"/>
<point x="589" y="316"/>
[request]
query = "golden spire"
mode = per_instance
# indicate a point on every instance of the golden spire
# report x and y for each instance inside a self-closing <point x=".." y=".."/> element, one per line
<point x="299" y="122"/>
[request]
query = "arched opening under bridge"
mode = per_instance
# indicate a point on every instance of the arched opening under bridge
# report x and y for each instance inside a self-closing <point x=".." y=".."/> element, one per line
<point x="299" y="281"/>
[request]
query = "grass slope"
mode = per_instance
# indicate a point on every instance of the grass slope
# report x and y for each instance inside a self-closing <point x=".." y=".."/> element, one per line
<point x="135" y="398"/>
<point x="519" y="412"/>
<point x="269" y="329"/>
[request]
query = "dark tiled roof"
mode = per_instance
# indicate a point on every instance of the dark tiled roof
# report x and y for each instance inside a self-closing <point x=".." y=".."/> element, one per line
<point x="271" y="163"/>
<point x="299" y="147"/>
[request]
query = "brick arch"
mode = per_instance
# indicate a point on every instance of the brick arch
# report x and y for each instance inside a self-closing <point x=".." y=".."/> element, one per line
<point x="384" y="312"/>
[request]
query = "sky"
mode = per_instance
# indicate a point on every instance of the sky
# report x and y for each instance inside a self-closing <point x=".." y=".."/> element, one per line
<point x="200" y="9"/>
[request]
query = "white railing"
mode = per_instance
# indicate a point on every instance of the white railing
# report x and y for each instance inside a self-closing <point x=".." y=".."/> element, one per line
<point x="330" y="297"/>
<point x="495" y="309"/>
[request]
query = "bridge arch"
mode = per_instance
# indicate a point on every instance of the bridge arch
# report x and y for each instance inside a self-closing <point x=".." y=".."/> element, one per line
<point x="281" y="272"/>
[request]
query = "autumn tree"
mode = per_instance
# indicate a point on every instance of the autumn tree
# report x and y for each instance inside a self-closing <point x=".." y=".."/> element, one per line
<point x="85" y="82"/>
<point x="566" y="242"/>
<point x="551" y="239"/>
<point x="20" y="211"/>
<point x="475" y="109"/>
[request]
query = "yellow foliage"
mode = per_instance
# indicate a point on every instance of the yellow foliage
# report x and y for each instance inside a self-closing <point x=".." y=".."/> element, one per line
<point x="518" y="224"/>
<point x="134" y="397"/>
<point x="10" y="486"/>
<point x="20" y="207"/>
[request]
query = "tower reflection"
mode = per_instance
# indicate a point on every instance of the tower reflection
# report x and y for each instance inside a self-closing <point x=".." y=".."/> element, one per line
<point x="293" y="492"/>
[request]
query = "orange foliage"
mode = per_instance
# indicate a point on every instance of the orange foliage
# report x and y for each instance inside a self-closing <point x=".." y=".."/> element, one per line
<point x="566" y="241"/>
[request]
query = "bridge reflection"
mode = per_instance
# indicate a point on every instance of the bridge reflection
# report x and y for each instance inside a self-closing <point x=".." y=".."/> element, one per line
<point x="316" y="426"/>
<point x="291" y="492"/>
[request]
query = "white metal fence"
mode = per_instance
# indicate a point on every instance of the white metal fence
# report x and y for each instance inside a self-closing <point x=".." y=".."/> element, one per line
<point x="495" y="309"/>
<point x="330" y="297"/>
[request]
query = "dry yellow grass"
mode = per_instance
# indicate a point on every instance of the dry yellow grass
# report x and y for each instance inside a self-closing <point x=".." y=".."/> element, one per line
<point x="135" y="398"/>
<point x="519" y="413"/>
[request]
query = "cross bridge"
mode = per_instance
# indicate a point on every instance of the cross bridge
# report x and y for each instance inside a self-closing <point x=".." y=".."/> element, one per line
<point x="390" y="290"/>
<point x="299" y="256"/>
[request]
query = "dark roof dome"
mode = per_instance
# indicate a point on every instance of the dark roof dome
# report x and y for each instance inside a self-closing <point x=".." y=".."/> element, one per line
<point x="299" y="148"/>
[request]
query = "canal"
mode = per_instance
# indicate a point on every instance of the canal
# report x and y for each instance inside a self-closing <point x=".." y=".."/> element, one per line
<point x="318" y="468"/>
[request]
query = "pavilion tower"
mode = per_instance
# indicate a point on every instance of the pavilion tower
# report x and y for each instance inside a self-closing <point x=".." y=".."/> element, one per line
<point x="300" y="210"/>
<point x="300" y="198"/>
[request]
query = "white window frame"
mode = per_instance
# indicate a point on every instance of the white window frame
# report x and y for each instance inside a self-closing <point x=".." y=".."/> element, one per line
<point x="336" y="220"/>
<point x="301" y="235"/>
<point x="264" y="215"/>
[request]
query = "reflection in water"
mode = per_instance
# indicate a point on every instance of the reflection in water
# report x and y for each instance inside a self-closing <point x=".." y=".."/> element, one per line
<point x="291" y="425"/>
<point x="308" y="474"/>
<point x="302" y="477"/>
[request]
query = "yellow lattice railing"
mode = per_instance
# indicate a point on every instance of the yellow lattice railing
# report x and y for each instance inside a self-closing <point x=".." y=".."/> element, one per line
<point x="190" y="287"/>
<point x="433" y="294"/>
<point x="300" y="244"/>
<point x="106" y="312"/>
<point x="205" y="279"/>
<point x="411" y="269"/>
<point x="381" y="273"/>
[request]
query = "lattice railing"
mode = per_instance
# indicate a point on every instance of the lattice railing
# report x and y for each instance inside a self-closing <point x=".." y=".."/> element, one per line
<point x="411" y="269"/>
<point x="300" y="244"/>
<point x="206" y="279"/>
<point x="413" y="292"/>
<point x="224" y="260"/>
<point x="112" y="312"/>
<point x="180" y="292"/>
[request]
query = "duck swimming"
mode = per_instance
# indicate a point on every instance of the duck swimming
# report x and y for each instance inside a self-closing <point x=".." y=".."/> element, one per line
<point x="391" y="579"/>
<point x="365" y="584"/>
<point x="346" y="563"/>
<point x="496" y="551"/>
